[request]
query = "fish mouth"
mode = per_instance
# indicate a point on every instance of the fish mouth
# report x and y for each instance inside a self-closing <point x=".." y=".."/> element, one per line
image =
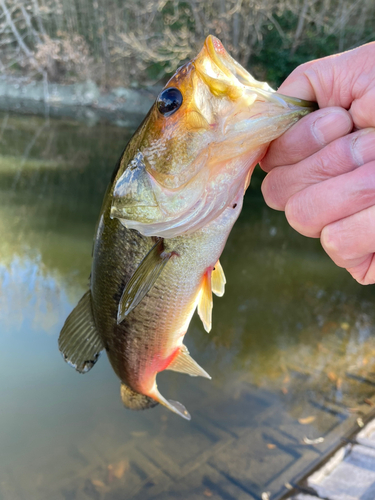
<point x="243" y="117"/>
<point x="223" y="74"/>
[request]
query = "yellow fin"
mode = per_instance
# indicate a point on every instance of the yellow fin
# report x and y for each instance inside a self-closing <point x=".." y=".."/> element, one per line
<point x="218" y="280"/>
<point x="143" y="279"/>
<point x="184" y="363"/>
<point x="205" y="302"/>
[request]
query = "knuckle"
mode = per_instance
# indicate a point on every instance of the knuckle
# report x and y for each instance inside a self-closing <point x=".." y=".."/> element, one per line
<point x="267" y="163"/>
<point x="271" y="190"/>
<point x="266" y="190"/>
<point x="301" y="215"/>
<point x="364" y="273"/>
<point x="331" y="161"/>
<point x="292" y="214"/>
<point x="330" y="242"/>
<point x="366" y="279"/>
<point x="364" y="193"/>
<point x="339" y="246"/>
<point x="320" y="167"/>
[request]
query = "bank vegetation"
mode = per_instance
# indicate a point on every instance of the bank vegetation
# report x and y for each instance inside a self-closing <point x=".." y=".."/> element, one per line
<point x="141" y="42"/>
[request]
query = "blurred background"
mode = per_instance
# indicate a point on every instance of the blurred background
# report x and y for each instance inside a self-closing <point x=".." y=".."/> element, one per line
<point x="141" y="42"/>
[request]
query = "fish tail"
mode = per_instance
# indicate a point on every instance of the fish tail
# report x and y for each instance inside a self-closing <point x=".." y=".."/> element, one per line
<point x="134" y="400"/>
<point x="174" y="406"/>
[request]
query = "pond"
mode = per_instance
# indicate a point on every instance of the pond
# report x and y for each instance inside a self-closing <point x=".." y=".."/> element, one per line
<point x="291" y="352"/>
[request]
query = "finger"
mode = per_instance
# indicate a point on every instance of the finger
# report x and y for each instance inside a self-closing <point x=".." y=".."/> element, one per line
<point x="350" y="242"/>
<point x="313" y="208"/>
<point x="339" y="157"/>
<point x="321" y="81"/>
<point x="307" y="137"/>
<point x="328" y="80"/>
<point x="363" y="108"/>
<point x="345" y="80"/>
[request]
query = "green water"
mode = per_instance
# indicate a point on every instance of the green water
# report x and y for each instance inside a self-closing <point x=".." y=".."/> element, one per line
<point x="292" y="339"/>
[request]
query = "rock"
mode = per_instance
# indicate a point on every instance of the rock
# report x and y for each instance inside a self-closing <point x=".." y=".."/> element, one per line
<point x="82" y="101"/>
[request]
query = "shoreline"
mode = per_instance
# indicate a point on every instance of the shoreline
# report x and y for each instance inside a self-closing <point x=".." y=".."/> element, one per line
<point x="124" y="107"/>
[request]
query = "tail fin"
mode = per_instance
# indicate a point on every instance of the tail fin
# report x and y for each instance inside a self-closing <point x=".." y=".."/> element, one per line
<point x="134" y="400"/>
<point x="174" y="406"/>
<point x="137" y="401"/>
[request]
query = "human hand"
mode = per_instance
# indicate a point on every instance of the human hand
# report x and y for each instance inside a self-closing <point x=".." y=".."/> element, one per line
<point x="322" y="170"/>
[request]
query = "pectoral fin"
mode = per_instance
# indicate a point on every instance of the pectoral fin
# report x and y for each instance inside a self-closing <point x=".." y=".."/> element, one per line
<point x="184" y="363"/>
<point x="218" y="280"/>
<point x="79" y="340"/>
<point x="143" y="279"/>
<point x="205" y="302"/>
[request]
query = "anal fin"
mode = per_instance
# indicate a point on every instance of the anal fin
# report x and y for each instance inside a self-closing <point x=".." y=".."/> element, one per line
<point x="184" y="363"/>
<point x="205" y="302"/>
<point x="79" y="340"/>
<point x="218" y="280"/>
<point x="143" y="279"/>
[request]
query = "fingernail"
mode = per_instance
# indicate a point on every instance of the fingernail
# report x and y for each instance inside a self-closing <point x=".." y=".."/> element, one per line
<point x="331" y="126"/>
<point x="363" y="147"/>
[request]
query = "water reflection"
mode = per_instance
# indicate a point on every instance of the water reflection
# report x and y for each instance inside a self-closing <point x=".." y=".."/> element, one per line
<point x="291" y="351"/>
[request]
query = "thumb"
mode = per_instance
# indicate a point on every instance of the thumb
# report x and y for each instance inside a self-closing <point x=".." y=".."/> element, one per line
<point x="346" y="80"/>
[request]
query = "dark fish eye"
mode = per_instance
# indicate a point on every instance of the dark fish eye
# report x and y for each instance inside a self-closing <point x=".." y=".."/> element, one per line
<point x="169" y="101"/>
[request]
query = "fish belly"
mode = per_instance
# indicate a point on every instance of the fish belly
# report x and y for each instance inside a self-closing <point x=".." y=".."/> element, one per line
<point x="149" y="338"/>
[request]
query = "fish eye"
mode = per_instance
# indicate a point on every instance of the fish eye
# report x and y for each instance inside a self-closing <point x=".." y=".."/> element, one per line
<point x="169" y="101"/>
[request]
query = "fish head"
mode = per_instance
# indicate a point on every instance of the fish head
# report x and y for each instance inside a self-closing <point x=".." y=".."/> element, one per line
<point x="193" y="156"/>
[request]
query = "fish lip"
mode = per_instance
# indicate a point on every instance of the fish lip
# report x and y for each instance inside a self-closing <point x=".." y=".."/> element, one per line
<point x="285" y="101"/>
<point x="301" y="103"/>
<point x="240" y="77"/>
<point x="229" y="66"/>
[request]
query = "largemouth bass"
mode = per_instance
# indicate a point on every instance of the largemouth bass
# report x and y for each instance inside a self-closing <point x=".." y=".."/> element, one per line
<point x="175" y="195"/>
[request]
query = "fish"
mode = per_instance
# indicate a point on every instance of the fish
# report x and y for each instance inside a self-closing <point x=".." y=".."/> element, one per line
<point x="176" y="192"/>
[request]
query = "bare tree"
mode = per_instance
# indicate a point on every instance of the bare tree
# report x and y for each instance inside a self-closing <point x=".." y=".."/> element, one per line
<point x="120" y="42"/>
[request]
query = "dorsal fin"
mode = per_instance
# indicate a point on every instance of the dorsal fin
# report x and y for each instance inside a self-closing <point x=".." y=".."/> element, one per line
<point x="184" y="363"/>
<point x="205" y="301"/>
<point x="79" y="340"/>
<point x="218" y="280"/>
<point x="143" y="279"/>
